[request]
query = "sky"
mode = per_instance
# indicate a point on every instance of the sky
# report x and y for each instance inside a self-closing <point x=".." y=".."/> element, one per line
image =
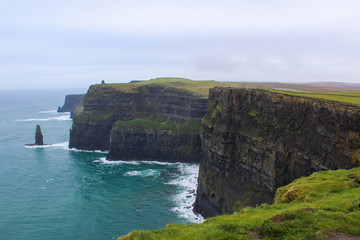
<point x="76" y="43"/>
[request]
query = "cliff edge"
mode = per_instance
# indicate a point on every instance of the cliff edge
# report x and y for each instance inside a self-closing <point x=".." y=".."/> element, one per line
<point x="255" y="141"/>
<point x="73" y="104"/>
<point x="151" y="120"/>
<point x="324" y="205"/>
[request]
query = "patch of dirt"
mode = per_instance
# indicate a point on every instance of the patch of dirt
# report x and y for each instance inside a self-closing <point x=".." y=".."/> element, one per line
<point x="277" y="218"/>
<point x="256" y="235"/>
<point x="340" y="236"/>
<point x="355" y="176"/>
<point x="309" y="210"/>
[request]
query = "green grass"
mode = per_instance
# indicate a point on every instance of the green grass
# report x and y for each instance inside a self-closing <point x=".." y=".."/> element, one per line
<point x="202" y="88"/>
<point x="308" y="208"/>
<point x="346" y="97"/>
<point x="196" y="87"/>
<point x="190" y="126"/>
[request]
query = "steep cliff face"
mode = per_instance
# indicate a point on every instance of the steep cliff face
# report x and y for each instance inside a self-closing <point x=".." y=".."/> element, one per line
<point x="155" y="140"/>
<point x="255" y="141"/>
<point x="108" y="103"/>
<point x="73" y="104"/>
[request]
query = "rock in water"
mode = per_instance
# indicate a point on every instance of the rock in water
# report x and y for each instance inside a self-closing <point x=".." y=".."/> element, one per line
<point x="38" y="136"/>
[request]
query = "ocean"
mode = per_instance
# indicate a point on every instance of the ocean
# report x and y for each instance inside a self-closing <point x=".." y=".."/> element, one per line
<point x="53" y="192"/>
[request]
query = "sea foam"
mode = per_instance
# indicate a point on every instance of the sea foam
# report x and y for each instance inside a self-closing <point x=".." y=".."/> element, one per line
<point x="131" y="162"/>
<point x="49" y="111"/>
<point x="186" y="181"/>
<point x="144" y="173"/>
<point x="63" y="145"/>
<point x="57" y="118"/>
<point x="87" y="151"/>
<point x="185" y="198"/>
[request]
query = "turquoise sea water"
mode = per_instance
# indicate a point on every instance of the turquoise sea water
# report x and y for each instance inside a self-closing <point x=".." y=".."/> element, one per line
<point x="53" y="192"/>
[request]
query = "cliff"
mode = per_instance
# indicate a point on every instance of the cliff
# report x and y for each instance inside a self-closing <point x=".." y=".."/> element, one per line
<point x="324" y="205"/>
<point x="141" y="120"/>
<point x="141" y="139"/>
<point x="73" y="104"/>
<point x="255" y="141"/>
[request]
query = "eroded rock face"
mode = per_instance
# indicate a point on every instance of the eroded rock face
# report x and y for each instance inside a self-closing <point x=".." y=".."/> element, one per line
<point x="38" y="136"/>
<point x="178" y="143"/>
<point x="104" y="105"/>
<point x="255" y="141"/>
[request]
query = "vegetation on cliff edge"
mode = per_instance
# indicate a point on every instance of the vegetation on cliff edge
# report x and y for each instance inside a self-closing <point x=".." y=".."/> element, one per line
<point x="345" y="97"/>
<point x="196" y="87"/>
<point x="325" y="204"/>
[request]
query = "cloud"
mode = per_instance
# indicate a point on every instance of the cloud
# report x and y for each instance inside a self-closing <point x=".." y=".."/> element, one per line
<point x="216" y="61"/>
<point x="57" y="43"/>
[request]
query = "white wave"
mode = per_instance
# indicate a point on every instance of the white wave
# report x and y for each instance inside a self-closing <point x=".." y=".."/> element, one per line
<point x="132" y="162"/>
<point x="105" y="161"/>
<point x="58" y="118"/>
<point x="187" y="183"/>
<point x="145" y="173"/>
<point x="87" y="151"/>
<point x="38" y="146"/>
<point x="49" y="111"/>
<point x="158" y="163"/>
<point x="63" y="145"/>
<point x="49" y="180"/>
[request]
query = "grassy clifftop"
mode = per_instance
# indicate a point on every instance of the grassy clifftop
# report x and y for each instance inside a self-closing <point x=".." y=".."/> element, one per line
<point x="202" y="88"/>
<point x="196" y="87"/>
<point x="323" y="205"/>
<point x="345" y="97"/>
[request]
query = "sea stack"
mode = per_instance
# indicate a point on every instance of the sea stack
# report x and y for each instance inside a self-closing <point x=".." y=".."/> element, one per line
<point x="38" y="136"/>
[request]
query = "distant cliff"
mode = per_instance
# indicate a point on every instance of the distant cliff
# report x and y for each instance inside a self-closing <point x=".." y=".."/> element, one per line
<point x="73" y="104"/>
<point x="144" y="121"/>
<point x="255" y="141"/>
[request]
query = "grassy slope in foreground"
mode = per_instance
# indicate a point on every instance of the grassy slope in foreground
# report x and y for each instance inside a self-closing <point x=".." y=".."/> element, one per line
<point x="315" y="207"/>
<point x="346" y="97"/>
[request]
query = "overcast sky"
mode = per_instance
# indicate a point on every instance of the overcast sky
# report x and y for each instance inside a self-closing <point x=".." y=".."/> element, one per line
<point x="75" y="43"/>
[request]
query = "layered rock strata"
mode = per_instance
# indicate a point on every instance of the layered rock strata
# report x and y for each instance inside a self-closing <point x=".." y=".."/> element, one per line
<point x="135" y="111"/>
<point x="155" y="140"/>
<point x="255" y="141"/>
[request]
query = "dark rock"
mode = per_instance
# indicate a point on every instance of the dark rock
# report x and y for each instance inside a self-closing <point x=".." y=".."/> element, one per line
<point x="38" y="136"/>
<point x="73" y="104"/>
<point x="174" y="143"/>
<point x="104" y="105"/>
<point x="255" y="141"/>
